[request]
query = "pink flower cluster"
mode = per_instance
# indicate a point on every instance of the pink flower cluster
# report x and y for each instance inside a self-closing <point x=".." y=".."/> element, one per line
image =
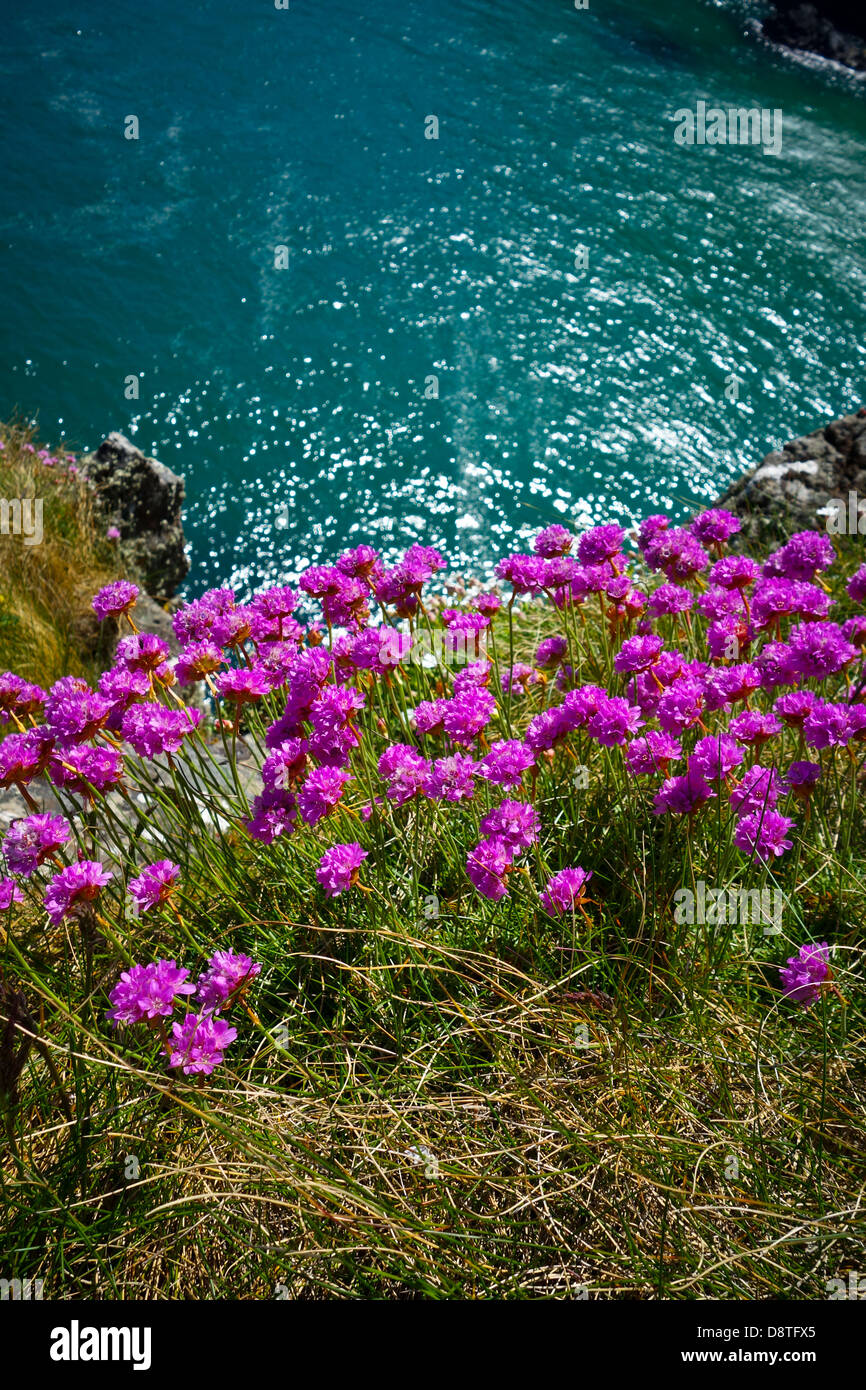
<point x="149" y="994"/>
<point x="714" y="665"/>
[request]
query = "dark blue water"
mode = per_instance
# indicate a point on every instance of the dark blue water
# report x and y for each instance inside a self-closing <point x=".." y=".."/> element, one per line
<point x="294" y="400"/>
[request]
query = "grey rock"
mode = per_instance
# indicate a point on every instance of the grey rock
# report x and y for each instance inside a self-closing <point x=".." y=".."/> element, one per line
<point x="832" y="28"/>
<point x="211" y="781"/>
<point x="791" y="488"/>
<point x="143" y="499"/>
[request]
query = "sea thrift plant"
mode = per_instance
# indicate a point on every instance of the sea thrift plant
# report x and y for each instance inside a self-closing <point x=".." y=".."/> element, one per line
<point x="488" y="866"/>
<point x="29" y="842"/>
<point x="325" y="763"/>
<point x="763" y="834"/>
<point x="198" y="1043"/>
<point x="338" y="868"/>
<point x="153" y="885"/>
<point x="73" y="888"/>
<point x="227" y="976"/>
<point x="805" y="973"/>
<point x="515" y="823"/>
<point x="10" y="893"/>
<point x="146" y="992"/>
<point x="115" y="599"/>
<point x="565" y="891"/>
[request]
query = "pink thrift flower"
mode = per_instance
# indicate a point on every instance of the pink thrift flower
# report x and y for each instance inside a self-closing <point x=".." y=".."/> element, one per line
<point x="669" y="599"/>
<point x="9" y="893"/>
<point x="198" y="1044"/>
<point x="85" y="770"/>
<point x="242" y="686"/>
<point x="405" y="772"/>
<point x="637" y="654"/>
<point x="274" y="812"/>
<point x="802" y="778"/>
<point x="553" y="540"/>
<point x="804" y="974"/>
<point x="75" y="885"/>
<point x="153" y="885"/>
<point x="514" y="822"/>
<point x="338" y="868"/>
<point x="550" y="653"/>
<point x="451" y="778"/>
<point x="506" y="763"/>
<point x="565" y="891"/>
<point x="600" y="543"/>
<point x="715" y="757"/>
<point x="285" y="766"/>
<point x="613" y="722"/>
<point x="32" y="840"/>
<point x="735" y="572"/>
<point x="715" y="526"/>
<point x="682" y="795"/>
<point x="198" y="660"/>
<point x="652" y="753"/>
<point x="115" y="599"/>
<point x="427" y="716"/>
<point x="24" y="756"/>
<point x="488" y="866"/>
<point x="754" y="728"/>
<point x="227" y="976"/>
<point x="468" y="714"/>
<point x="321" y="792"/>
<point x="856" y="586"/>
<point x="680" y="707"/>
<point x="762" y="834"/>
<point x="144" y="992"/>
<point x="153" y="729"/>
<point x="758" y="791"/>
<point x="142" y="651"/>
<point x="18" y="697"/>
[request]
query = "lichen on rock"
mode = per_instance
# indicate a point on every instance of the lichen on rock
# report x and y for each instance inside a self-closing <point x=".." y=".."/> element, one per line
<point x="794" y="487"/>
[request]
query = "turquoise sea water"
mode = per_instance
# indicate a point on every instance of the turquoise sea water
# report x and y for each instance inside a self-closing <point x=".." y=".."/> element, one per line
<point x="298" y="402"/>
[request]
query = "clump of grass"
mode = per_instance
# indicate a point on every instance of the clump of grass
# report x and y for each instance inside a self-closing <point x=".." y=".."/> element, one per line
<point x="47" y="628"/>
<point x="436" y="1093"/>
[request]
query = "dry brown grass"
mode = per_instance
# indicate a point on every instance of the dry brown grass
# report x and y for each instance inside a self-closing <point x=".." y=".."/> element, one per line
<point x="556" y="1171"/>
<point x="47" y="628"/>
